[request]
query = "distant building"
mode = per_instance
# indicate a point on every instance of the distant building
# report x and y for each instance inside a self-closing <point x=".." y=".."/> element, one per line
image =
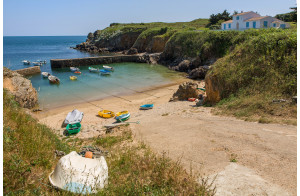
<point x="247" y="20"/>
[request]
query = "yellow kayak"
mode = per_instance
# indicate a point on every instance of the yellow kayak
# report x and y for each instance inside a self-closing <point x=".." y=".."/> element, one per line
<point x="106" y="114"/>
<point x="73" y="78"/>
<point x="121" y="113"/>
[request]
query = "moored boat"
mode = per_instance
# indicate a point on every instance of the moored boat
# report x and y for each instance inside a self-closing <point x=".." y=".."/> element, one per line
<point x="146" y="107"/>
<point x="37" y="63"/>
<point x="53" y="79"/>
<point x="74" y="69"/>
<point x="91" y="69"/>
<point x="25" y="62"/>
<point x="106" y="114"/>
<point x="73" y="78"/>
<point x="45" y="74"/>
<point x="108" y="68"/>
<point x="77" y="72"/>
<point x="105" y="72"/>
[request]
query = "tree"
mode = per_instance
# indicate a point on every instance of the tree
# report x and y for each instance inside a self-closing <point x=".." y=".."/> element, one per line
<point x="215" y="18"/>
<point x="288" y="17"/>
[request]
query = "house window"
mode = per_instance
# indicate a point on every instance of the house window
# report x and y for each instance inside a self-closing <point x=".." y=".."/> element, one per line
<point x="229" y="26"/>
<point x="254" y="24"/>
<point x="224" y="26"/>
<point x="237" y="17"/>
<point x="265" y="23"/>
<point x="274" y="24"/>
<point x="247" y="24"/>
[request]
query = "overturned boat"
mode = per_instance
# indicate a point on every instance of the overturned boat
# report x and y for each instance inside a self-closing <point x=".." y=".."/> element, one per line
<point x="73" y="117"/>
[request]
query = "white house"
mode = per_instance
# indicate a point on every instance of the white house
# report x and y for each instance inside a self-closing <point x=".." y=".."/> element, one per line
<point x="247" y="20"/>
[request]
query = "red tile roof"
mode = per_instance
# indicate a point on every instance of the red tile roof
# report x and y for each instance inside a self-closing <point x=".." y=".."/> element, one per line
<point x="228" y="21"/>
<point x="256" y="18"/>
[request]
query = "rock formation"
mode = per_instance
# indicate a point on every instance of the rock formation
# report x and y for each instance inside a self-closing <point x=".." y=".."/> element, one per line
<point x="20" y="87"/>
<point x="186" y="90"/>
<point x="213" y="92"/>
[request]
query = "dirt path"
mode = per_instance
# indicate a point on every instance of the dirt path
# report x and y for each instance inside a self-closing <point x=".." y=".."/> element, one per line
<point x="266" y="154"/>
<point x="209" y="143"/>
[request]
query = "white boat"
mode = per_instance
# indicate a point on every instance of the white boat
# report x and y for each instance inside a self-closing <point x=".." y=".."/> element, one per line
<point x="37" y="63"/>
<point x="73" y="117"/>
<point x="53" y="79"/>
<point x="25" y="62"/>
<point x="91" y="69"/>
<point x="74" y="69"/>
<point x="45" y="74"/>
<point x="108" y="68"/>
<point x="43" y="62"/>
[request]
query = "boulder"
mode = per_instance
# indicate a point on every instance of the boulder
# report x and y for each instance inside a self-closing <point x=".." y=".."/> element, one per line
<point x="183" y="66"/>
<point x="199" y="73"/>
<point x="20" y="87"/>
<point x="186" y="90"/>
<point x="131" y="51"/>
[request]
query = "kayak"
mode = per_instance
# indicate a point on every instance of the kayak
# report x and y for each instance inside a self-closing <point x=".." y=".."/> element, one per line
<point x="146" y="107"/>
<point x="73" y="128"/>
<point x="106" y="114"/>
<point x="73" y="78"/>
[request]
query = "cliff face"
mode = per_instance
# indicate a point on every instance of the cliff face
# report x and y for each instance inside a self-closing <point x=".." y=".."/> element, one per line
<point x="20" y="87"/>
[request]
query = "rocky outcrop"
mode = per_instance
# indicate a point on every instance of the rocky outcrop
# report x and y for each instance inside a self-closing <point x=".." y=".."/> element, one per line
<point x="199" y="73"/>
<point x="157" y="44"/>
<point x="213" y="91"/>
<point x="20" y="87"/>
<point x="186" y="90"/>
<point x="131" y="51"/>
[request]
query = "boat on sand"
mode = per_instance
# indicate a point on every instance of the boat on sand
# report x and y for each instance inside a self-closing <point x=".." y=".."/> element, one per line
<point x="73" y="117"/>
<point x="146" y="107"/>
<point x="106" y="114"/>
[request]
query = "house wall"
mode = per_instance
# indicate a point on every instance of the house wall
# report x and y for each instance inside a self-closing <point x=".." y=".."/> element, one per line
<point x="242" y="24"/>
<point x="268" y="19"/>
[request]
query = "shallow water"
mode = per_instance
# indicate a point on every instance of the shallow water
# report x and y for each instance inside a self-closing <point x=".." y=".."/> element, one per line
<point x="127" y="78"/>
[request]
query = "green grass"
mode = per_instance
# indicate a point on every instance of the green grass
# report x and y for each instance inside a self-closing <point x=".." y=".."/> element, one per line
<point x="261" y="68"/>
<point x="133" y="168"/>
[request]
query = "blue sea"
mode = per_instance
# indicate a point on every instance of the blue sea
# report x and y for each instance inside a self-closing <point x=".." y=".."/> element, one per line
<point x="127" y="78"/>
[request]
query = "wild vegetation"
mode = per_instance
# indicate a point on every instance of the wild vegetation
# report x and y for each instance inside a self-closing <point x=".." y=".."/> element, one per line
<point x="261" y="70"/>
<point x="133" y="169"/>
<point x="288" y="17"/>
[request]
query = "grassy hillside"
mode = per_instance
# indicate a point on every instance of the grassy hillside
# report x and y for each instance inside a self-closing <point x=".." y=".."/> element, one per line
<point x="133" y="168"/>
<point x="262" y="68"/>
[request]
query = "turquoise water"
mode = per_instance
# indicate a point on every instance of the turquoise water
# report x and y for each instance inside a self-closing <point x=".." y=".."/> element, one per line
<point x="127" y="78"/>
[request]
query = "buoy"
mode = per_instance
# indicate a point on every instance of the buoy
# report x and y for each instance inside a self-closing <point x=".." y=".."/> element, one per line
<point x="88" y="154"/>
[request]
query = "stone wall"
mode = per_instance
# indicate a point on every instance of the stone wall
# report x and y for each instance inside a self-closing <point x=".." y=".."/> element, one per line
<point x="61" y="63"/>
<point x="29" y="71"/>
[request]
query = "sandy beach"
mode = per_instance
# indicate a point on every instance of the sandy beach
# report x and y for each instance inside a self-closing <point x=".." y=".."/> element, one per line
<point x="265" y="153"/>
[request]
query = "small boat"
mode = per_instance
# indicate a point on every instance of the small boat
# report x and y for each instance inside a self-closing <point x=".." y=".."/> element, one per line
<point x="91" y="69"/>
<point x="108" y="68"/>
<point x="191" y="99"/>
<point x="73" y="78"/>
<point x="25" y="62"/>
<point x="74" y="68"/>
<point x="106" y="114"/>
<point x="53" y="79"/>
<point x="77" y="72"/>
<point x="73" y="128"/>
<point x="73" y="117"/>
<point x="121" y="113"/>
<point x="45" y="74"/>
<point x="105" y="72"/>
<point x="37" y="63"/>
<point x="123" y="117"/>
<point x="146" y="107"/>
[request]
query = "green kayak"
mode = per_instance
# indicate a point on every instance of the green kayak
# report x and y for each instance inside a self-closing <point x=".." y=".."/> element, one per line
<point x="73" y="128"/>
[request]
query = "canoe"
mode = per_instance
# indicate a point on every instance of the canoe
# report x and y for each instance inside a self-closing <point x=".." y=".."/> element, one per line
<point x="77" y="72"/>
<point x="106" y="114"/>
<point x="108" y="68"/>
<point x="74" y="68"/>
<point x="53" y="79"/>
<point x="123" y="117"/>
<point x="45" y="74"/>
<point x="73" y="78"/>
<point x="121" y="113"/>
<point x="105" y="72"/>
<point x="73" y="117"/>
<point x="73" y="128"/>
<point x="146" y="107"/>
<point x="91" y="69"/>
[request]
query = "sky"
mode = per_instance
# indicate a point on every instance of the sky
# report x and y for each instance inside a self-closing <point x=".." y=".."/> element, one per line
<point x="79" y="17"/>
